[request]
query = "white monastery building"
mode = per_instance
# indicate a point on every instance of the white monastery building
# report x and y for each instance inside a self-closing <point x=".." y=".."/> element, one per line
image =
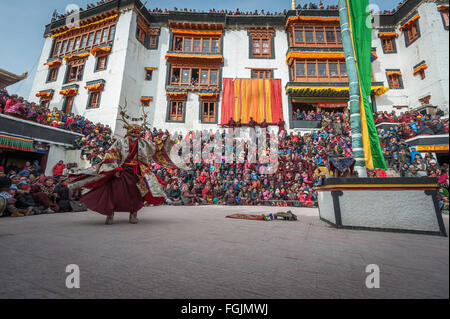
<point x="197" y="70"/>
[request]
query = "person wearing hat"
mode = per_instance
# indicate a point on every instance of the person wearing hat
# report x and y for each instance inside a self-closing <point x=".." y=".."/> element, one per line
<point x="36" y="169"/>
<point x="7" y="200"/>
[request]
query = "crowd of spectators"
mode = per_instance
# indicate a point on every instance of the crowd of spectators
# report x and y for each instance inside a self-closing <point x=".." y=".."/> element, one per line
<point x="26" y="191"/>
<point x="306" y="6"/>
<point x="303" y="161"/>
<point x="97" y="137"/>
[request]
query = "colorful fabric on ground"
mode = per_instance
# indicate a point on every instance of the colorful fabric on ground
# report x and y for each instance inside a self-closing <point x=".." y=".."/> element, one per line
<point x="246" y="216"/>
<point x="361" y="32"/>
<point x="256" y="98"/>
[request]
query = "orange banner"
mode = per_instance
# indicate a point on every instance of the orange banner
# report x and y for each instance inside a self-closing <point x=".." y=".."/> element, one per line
<point x="259" y="99"/>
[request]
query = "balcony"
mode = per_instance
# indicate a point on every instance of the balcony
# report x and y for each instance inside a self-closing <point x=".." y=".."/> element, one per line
<point x="37" y="132"/>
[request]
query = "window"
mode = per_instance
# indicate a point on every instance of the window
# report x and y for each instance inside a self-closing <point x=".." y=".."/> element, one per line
<point x="84" y="41"/>
<point x="45" y="103"/>
<point x="215" y="46"/>
<point x="94" y="100"/>
<point x="388" y="45"/>
<point x="97" y="37"/>
<point x="105" y="35"/>
<point x="213" y="77"/>
<point x="319" y="70"/>
<point x="205" y="46"/>
<point x="153" y="42"/>
<point x="148" y="75"/>
<point x="63" y="48"/>
<point x="339" y="35"/>
<point x="52" y="74"/>
<point x="194" y="76"/>
<point x="319" y="35"/>
<point x="320" y="38"/>
<point x="140" y="35"/>
<point x="411" y="31"/>
<point x="68" y="104"/>
<point x="187" y="45"/>
<point x="395" y="80"/>
<point x="145" y="102"/>
<point x="333" y="67"/>
<point x="331" y="35"/>
<point x="204" y="77"/>
<point x="197" y="45"/>
<point x="298" y="36"/>
<point x="70" y="46"/>
<point x="309" y="35"/>
<point x="261" y="74"/>
<point x="112" y="32"/>
<point x="209" y="112"/>
<point x="90" y="39"/>
<point x="322" y="69"/>
<point x="343" y="69"/>
<point x="75" y="72"/>
<point x="261" y="47"/>
<point x="186" y="76"/>
<point x="76" y="46"/>
<point x="57" y="48"/>
<point x="444" y="15"/>
<point x="311" y="67"/>
<point x="300" y="69"/>
<point x="101" y="63"/>
<point x="176" y="111"/>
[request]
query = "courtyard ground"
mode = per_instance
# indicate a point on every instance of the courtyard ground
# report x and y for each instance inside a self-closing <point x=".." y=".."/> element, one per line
<point x="195" y="252"/>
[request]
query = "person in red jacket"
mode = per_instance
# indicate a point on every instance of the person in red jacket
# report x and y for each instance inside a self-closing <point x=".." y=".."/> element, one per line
<point x="59" y="168"/>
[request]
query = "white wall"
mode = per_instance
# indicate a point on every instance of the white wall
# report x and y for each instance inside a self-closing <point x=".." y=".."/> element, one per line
<point x="431" y="47"/>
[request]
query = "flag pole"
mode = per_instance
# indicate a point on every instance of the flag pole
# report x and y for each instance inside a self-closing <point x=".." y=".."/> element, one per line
<point x="354" y="90"/>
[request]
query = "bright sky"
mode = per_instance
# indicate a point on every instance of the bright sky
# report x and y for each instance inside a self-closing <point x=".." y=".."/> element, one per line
<point x="23" y="21"/>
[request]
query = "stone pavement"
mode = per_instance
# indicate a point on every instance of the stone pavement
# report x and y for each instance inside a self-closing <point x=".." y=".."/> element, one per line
<point x="195" y="252"/>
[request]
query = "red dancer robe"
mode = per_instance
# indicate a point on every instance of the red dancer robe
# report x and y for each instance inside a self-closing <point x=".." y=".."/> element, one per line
<point x="130" y="160"/>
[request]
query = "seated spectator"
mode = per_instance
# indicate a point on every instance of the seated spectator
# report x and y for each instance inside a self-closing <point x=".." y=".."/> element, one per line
<point x="44" y="194"/>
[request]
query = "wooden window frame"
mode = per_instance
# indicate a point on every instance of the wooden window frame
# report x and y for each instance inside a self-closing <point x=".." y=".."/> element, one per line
<point x="178" y="117"/>
<point x="395" y="81"/>
<point x="320" y="28"/>
<point x="261" y="54"/>
<point x="261" y="74"/>
<point x="147" y="72"/>
<point x="208" y="119"/>
<point x="66" y="102"/>
<point x="82" y="40"/>
<point x="52" y="74"/>
<point x="145" y="103"/>
<point x="79" y="74"/>
<point x="340" y="77"/>
<point x="411" y="33"/>
<point x="192" y="40"/>
<point x="93" y="94"/>
<point x="153" y="42"/>
<point x="388" y="45"/>
<point x="190" y="68"/>
<point x="445" y="21"/>
<point x="99" y="59"/>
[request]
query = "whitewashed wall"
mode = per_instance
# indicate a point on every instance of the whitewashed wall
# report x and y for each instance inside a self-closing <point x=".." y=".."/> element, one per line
<point x="431" y="47"/>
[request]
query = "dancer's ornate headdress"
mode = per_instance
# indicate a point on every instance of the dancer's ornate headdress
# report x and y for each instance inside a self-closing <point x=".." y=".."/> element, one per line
<point x="133" y="129"/>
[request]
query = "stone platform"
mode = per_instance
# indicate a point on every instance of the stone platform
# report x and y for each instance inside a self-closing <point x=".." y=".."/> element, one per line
<point x="195" y="252"/>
